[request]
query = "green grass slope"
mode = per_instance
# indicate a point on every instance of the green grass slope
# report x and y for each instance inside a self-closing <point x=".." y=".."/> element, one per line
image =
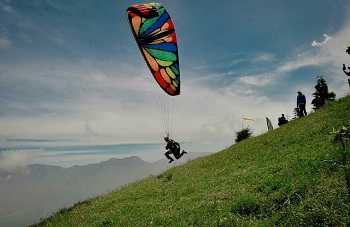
<point x="286" y="177"/>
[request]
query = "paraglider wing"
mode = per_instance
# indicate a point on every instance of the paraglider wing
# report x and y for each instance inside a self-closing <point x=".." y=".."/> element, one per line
<point x="155" y="36"/>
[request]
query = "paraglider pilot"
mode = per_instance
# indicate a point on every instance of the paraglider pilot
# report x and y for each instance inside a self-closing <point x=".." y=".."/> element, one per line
<point x="173" y="147"/>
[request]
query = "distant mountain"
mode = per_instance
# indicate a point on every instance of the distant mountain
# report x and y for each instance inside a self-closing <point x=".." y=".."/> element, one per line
<point x="40" y="190"/>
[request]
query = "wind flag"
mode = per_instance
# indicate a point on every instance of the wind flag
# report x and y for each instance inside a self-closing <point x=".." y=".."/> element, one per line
<point x="269" y="124"/>
<point x="249" y="119"/>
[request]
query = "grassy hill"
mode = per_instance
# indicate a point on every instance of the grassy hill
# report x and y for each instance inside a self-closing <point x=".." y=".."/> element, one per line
<point x="290" y="176"/>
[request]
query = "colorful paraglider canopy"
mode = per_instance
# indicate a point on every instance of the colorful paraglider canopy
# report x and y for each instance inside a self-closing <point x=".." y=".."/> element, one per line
<point x="155" y="36"/>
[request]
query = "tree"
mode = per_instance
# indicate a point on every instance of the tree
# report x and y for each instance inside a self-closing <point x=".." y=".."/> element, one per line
<point x="297" y="113"/>
<point x="244" y="134"/>
<point x="321" y="95"/>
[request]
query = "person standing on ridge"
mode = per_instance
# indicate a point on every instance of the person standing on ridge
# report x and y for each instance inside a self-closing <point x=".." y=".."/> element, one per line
<point x="173" y="147"/>
<point x="301" y="103"/>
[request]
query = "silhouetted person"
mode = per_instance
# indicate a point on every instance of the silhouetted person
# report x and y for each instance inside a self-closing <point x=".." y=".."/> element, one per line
<point x="301" y="103"/>
<point x="282" y="120"/>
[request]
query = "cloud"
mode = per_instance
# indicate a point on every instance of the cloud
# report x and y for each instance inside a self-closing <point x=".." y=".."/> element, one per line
<point x="88" y="129"/>
<point x="17" y="160"/>
<point x="221" y="65"/>
<point x="258" y="80"/>
<point x="335" y="49"/>
<point x="264" y="58"/>
<point x="5" y="8"/>
<point x="213" y="128"/>
<point x="5" y="43"/>
<point x="335" y="55"/>
<point x="3" y="139"/>
<point x="235" y="62"/>
<point x="286" y="66"/>
<point x="319" y="44"/>
<point x="8" y="177"/>
<point x="302" y="61"/>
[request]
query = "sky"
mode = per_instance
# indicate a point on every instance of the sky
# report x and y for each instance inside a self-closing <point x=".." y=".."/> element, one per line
<point x="71" y="73"/>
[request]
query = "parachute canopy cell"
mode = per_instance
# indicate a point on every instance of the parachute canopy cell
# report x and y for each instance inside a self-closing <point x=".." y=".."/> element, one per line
<point x="155" y="36"/>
